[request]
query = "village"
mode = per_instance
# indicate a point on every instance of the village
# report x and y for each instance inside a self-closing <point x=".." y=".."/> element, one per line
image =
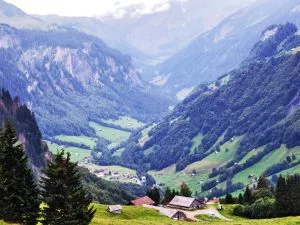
<point x="179" y="208"/>
<point x="111" y="173"/>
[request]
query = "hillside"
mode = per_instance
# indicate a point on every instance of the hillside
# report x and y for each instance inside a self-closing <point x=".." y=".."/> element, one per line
<point x="224" y="129"/>
<point x="69" y="78"/>
<point x="26" y="126"/>
<point x="224" y="47"/>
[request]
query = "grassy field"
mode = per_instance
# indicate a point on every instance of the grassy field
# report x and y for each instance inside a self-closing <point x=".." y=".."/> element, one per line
<point x="173" y="179"/>
<point x="110" y="134"/>
<point x="145" y="136"/>
<point x="126" y="122"/>
<point x="196" y="142"/>
<point x="119" y="169"/>
<point x="77" y="154"/>
<point x="78" y="140"/>
<point x="142" y="216"/>
<point x="267" y="161"/>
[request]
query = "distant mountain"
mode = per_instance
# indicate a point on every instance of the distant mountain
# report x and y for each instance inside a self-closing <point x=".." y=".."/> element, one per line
<point x="26" y="126"/>
<point x="247" y="116"/>
<point x="224" y="47"/>
<point x="9" y="14"/>
<point x="69" y="78"/>
<point x="152" y="35"/>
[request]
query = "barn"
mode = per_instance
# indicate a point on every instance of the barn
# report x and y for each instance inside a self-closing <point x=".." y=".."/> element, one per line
<point x="186" y="203"/>
<point x="142" y="201"/>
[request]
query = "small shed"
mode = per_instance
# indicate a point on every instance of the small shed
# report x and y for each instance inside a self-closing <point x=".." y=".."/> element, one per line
<point x="186" y="203"/>
<point x="116" y="209"/>
<point x="173" y="214"/>
<point x="142" y="201"/>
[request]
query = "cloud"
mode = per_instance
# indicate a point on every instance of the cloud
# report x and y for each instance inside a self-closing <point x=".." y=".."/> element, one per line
<point x="118" y="8"/>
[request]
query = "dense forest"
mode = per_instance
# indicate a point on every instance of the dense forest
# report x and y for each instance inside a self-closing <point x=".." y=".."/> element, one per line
<point x="258" y="102"/>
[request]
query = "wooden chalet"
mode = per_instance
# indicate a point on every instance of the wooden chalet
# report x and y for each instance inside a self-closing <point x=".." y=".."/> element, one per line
<point x="142" y="201"/>
<point x="186" y="203"/>
<point x="115" y="209"/>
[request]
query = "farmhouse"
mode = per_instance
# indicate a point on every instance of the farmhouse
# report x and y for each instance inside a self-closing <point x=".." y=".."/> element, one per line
<point x="186" y="203"/>
<point x="142" y="201"/>
<point x="116" y="209"/>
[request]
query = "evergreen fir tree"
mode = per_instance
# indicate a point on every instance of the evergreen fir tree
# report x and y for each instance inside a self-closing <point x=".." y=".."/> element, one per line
<point x="168" y="195"/>
<point x="67" y="203"/>
<point x="296" y="195"/>
<point x="1" y="175"/>
<point x="229" y="199"/>
<point x="154" y="194"/>
<point x="19" y="200"/>
<point x="185" y="191"/>
<point x="262" y="182"/>
<point x="247" y="196"/>
<point x="240" y="199"/>
<point x="282" y="197"/>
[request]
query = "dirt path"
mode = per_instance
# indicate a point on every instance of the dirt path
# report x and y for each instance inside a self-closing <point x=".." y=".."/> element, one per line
<point x="209" y="211"/>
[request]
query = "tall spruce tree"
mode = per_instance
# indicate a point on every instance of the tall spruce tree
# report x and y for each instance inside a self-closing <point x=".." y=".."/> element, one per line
<point x="168" y="195"/>
<point x="295" y="190"/>
<point x="248" y="196"/>
<point x="19" y="193"/>
<point x="66" y="201"/>
<point x="1" y="175"/>
<point x="184" y="190"/>
<point x="282" y="204"/>
<point x="263" y="182"/>
<point x="154" y="194"/>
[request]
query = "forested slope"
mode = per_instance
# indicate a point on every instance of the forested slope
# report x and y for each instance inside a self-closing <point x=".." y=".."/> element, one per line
<point x="253" y="107"/>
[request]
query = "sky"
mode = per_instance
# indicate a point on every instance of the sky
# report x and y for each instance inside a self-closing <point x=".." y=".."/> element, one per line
<point x="87" y="7"/>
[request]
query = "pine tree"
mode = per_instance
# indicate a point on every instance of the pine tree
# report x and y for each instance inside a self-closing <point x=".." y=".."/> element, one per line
<point x="229" y="199"/>
<point x="1" y="175"/>
<point x="168" y="195"/>
<point x="241" y="199"/>
<point x="282" y="197"/>
<point x="263" y="182"/>
<point x="154" y="194"/>
<point x="185" y="191"/>
<point x="19" y="200"/>
<point x="247" y="196"/>
<point x="296" y="195"/>
<point x="67" y="203"/>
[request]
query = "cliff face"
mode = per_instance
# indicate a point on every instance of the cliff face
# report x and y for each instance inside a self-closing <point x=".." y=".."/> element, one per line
<point x="70" y="78"/>
<point x="26" y="126"/>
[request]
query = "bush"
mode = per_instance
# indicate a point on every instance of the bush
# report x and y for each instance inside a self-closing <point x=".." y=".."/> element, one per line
<point x="262" y="208"/>
<point x="239" y="210"/>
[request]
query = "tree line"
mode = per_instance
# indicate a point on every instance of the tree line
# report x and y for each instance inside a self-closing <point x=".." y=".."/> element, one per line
<point x="266" y="201"/>
<point x="58" y="198"/>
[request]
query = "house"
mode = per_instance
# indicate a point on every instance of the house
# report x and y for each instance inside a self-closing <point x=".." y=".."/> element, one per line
<point x="116" y="209"/>
<point x="186" y="203"/>
<point x="142" y="201"/>
<point x="173" y="214"/>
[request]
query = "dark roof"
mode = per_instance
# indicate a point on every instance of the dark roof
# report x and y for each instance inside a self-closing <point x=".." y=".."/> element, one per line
<point x="142" y="201"/>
